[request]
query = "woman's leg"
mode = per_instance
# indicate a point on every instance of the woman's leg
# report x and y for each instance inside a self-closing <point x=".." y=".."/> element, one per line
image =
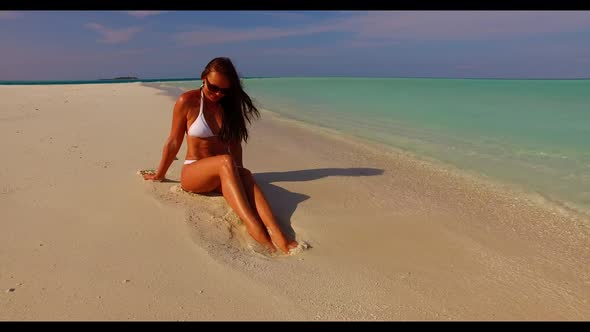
<point x="261" y="206"/>
<point x="207" y="174"/>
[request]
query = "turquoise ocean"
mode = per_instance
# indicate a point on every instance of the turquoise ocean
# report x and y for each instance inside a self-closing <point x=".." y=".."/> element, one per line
<point x="531" y="134"/>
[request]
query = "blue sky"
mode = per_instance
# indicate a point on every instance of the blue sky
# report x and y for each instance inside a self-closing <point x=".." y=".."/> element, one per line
<point x="53" y="45"/>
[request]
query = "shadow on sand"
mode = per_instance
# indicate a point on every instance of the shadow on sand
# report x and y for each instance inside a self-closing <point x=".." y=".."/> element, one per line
<point x="284" y="202"/>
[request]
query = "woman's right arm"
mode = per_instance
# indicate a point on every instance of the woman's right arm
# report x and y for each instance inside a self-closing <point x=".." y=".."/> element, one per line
<point x="173" y="142"/>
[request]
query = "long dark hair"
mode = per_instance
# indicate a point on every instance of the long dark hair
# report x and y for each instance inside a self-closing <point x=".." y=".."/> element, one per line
<point x="237" y="105"/>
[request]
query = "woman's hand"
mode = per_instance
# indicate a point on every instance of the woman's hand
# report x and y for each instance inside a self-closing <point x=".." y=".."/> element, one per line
<point x="151" y="175"/>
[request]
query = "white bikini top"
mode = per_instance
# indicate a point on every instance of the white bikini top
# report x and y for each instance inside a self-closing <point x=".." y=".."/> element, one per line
<point x="200" y="128"/>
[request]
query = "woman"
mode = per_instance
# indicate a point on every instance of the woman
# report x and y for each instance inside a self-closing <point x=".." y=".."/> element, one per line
<point x="214" y="120"/>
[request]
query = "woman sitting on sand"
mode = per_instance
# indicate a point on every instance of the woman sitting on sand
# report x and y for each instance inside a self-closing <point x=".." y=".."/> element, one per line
<point x="214" y="119"/>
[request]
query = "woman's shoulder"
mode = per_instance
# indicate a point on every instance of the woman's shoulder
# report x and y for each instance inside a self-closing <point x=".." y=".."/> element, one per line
<point x="191" y="97"/>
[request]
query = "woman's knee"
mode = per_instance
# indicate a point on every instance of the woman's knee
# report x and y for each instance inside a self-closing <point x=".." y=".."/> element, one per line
<point x="226" y="163"/>
<point x="226" y="160"/>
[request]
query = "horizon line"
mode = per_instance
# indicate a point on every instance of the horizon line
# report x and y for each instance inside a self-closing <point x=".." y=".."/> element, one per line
<point x="97" y="81"/>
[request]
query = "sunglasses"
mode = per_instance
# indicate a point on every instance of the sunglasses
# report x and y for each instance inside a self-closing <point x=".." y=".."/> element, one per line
<point x="214" y="88"/>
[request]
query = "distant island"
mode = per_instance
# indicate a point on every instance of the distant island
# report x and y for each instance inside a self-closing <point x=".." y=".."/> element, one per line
<point x="120" y="78"/>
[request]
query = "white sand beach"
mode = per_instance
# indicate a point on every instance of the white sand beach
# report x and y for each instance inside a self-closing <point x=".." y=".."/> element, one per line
<point x="391" y="237"/>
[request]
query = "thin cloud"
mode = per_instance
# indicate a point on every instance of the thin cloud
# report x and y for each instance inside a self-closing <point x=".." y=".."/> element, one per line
<point x="207" y="35"/>
<point x="333" y="49"/>
<point x="404" y="26"/>
<point x="144" y="13"/>
<point x="56" y="56"/>
<point x="8" y="14"/>
<point x="463" y="25"/>
<point x="299" y="51"/>
<point x="113" y="36"/>
<point x="371" y="44"/>
<point x="287" y="15"/>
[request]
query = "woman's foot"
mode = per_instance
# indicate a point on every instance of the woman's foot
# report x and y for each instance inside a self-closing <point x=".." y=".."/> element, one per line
<point x="270" y="247"/>
<point x="286" y="246"/>
<point x="280" y="241"/>
<point x="292" y="245"/>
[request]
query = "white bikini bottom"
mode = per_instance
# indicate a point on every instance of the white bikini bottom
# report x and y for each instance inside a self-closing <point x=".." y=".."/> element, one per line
<point x="189" y="161"/>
